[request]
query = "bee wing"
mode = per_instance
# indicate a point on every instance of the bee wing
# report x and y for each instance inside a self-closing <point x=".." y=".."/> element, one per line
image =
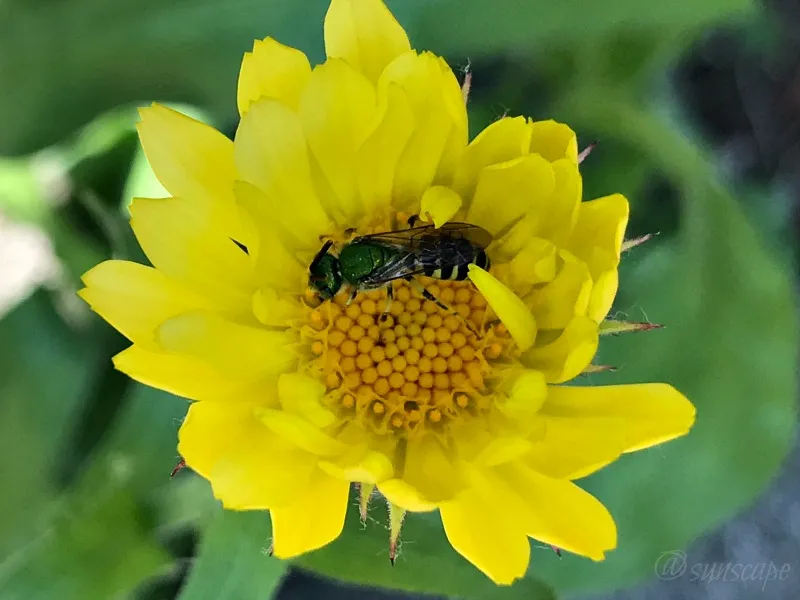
<point x="415" y="239"/>
<point x="399" y="267"/>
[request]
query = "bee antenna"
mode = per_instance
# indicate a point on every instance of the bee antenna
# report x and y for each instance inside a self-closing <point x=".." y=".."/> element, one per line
<point x="322" y="252"/>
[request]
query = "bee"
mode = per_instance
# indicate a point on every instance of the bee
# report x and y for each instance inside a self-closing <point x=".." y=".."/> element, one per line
<point x="376" y="260"/>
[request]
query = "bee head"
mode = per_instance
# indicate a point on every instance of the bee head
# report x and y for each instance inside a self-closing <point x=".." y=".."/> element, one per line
<point x="325" y="277"/>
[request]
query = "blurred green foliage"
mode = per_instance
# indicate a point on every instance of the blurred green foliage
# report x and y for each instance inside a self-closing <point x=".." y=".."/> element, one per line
<point x="88" y="510"/>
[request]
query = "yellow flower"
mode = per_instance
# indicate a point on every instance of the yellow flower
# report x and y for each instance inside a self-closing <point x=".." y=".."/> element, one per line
<point x="460" y="410"/>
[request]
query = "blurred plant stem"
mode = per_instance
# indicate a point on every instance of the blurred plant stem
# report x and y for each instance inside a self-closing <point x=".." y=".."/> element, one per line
<point x="661" y="137"/>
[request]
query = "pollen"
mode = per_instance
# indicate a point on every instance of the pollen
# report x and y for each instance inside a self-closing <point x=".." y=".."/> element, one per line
<point x="419" y="367"/>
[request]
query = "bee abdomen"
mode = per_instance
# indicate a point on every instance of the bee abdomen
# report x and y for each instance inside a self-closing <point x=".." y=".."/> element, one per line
<point x="482" y="260"/>
<point x="456" y="271"/>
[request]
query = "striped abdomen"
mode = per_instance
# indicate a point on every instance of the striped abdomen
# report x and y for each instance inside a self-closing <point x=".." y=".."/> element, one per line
<point x="451" y="259"/>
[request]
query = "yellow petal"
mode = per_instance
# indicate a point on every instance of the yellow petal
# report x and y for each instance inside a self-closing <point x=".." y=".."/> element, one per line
<point x="426" y="88"/>
<point x="248" y="466"/>
<point x="567" y="296"/>
<point x="567" y="356"/>
<point x="276" y="309"/>
<point x="604" y="290"/>
<point x="314" y="520"/>
<point x="554" y="141"/>
<point x="439" y="203"/>
<point x="555" y="511"/>
<point x="365" y="34"/>
<point x="507" y="191"/>
<point x="505" y="139"/>
<point x="653" y="412"/>
<point x="469" y="437"/>
<point x="380" y="152"/>
<point x="187" y="376"/>
<point x="362" y="461"/>
<point x="572" y="448"/>
<point x="600" y="224"/>
<point x="272" y="70"/>
<point x="597" y="240"/>
<point x="403" y="494"/>
<point x="300" y="432"/>
<point x="526" y="397"/>
<point x="562" y="213"/>
<point x="453" y="96"/>
<point x="302" y="395"/>
<point x="337" y="110"/>
<point x="191" y="159"/>
<point x="430" y="470"/>
<point x="510" y="309"/>
<point x="481" y="532"/>
<point x="370" y="467"/>
<point x="553" y="217"/>
<point x="535" y="264"/>
<point x="502" y="450"/>
<point x="272" y="154"/>
<point x="556" y="218"/>
<point x="457" y="141"/>
<point x="183" y="241"/>
<point x="238" y="350"/>
<point x="276" y="264"/>
<point x="136" y="299"/>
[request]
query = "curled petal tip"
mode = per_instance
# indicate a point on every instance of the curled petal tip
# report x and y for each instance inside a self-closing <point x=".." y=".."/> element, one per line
<point x="599" y="369"/>
<point x="637" y="241"/>
<point x="612" y="327"/>
<point x="557" y="550"/>
<point x="467" y="85"/>
<point x="586" y="152"/>
<point x="181" y="464"/>
<point x="271" y="550"/>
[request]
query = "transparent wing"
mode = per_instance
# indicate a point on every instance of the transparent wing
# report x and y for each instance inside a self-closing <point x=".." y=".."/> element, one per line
<point x="416" y="239"/>
<point x="399" y="267"/>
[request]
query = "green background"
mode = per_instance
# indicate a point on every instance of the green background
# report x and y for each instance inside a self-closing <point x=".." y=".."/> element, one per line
<point x="88" y="509"/>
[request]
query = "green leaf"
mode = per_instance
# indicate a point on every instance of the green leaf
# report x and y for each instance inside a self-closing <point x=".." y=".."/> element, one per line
<point x="93" y="546"/>
<point x="41" y="381"/>
<point x="130" y="52"/>
<point x="86" y="542"/>
<point x="233" y="562"/>
<point x="145" y="434"/>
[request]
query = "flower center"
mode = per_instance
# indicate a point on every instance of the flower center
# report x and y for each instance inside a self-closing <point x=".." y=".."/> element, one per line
<point x="417" y="368"/>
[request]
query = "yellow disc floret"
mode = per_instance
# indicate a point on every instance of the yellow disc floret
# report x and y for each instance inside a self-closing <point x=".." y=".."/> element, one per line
<point x="417" y="367"/>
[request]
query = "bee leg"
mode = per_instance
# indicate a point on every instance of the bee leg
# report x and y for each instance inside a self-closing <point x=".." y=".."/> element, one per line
<point x="428" y="296"/>
<point x="353" y="294"/>
<point x="388" y="306"/>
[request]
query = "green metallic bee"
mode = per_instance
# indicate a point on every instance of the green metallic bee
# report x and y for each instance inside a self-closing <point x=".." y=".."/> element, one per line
<point x="373" y="261"/>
